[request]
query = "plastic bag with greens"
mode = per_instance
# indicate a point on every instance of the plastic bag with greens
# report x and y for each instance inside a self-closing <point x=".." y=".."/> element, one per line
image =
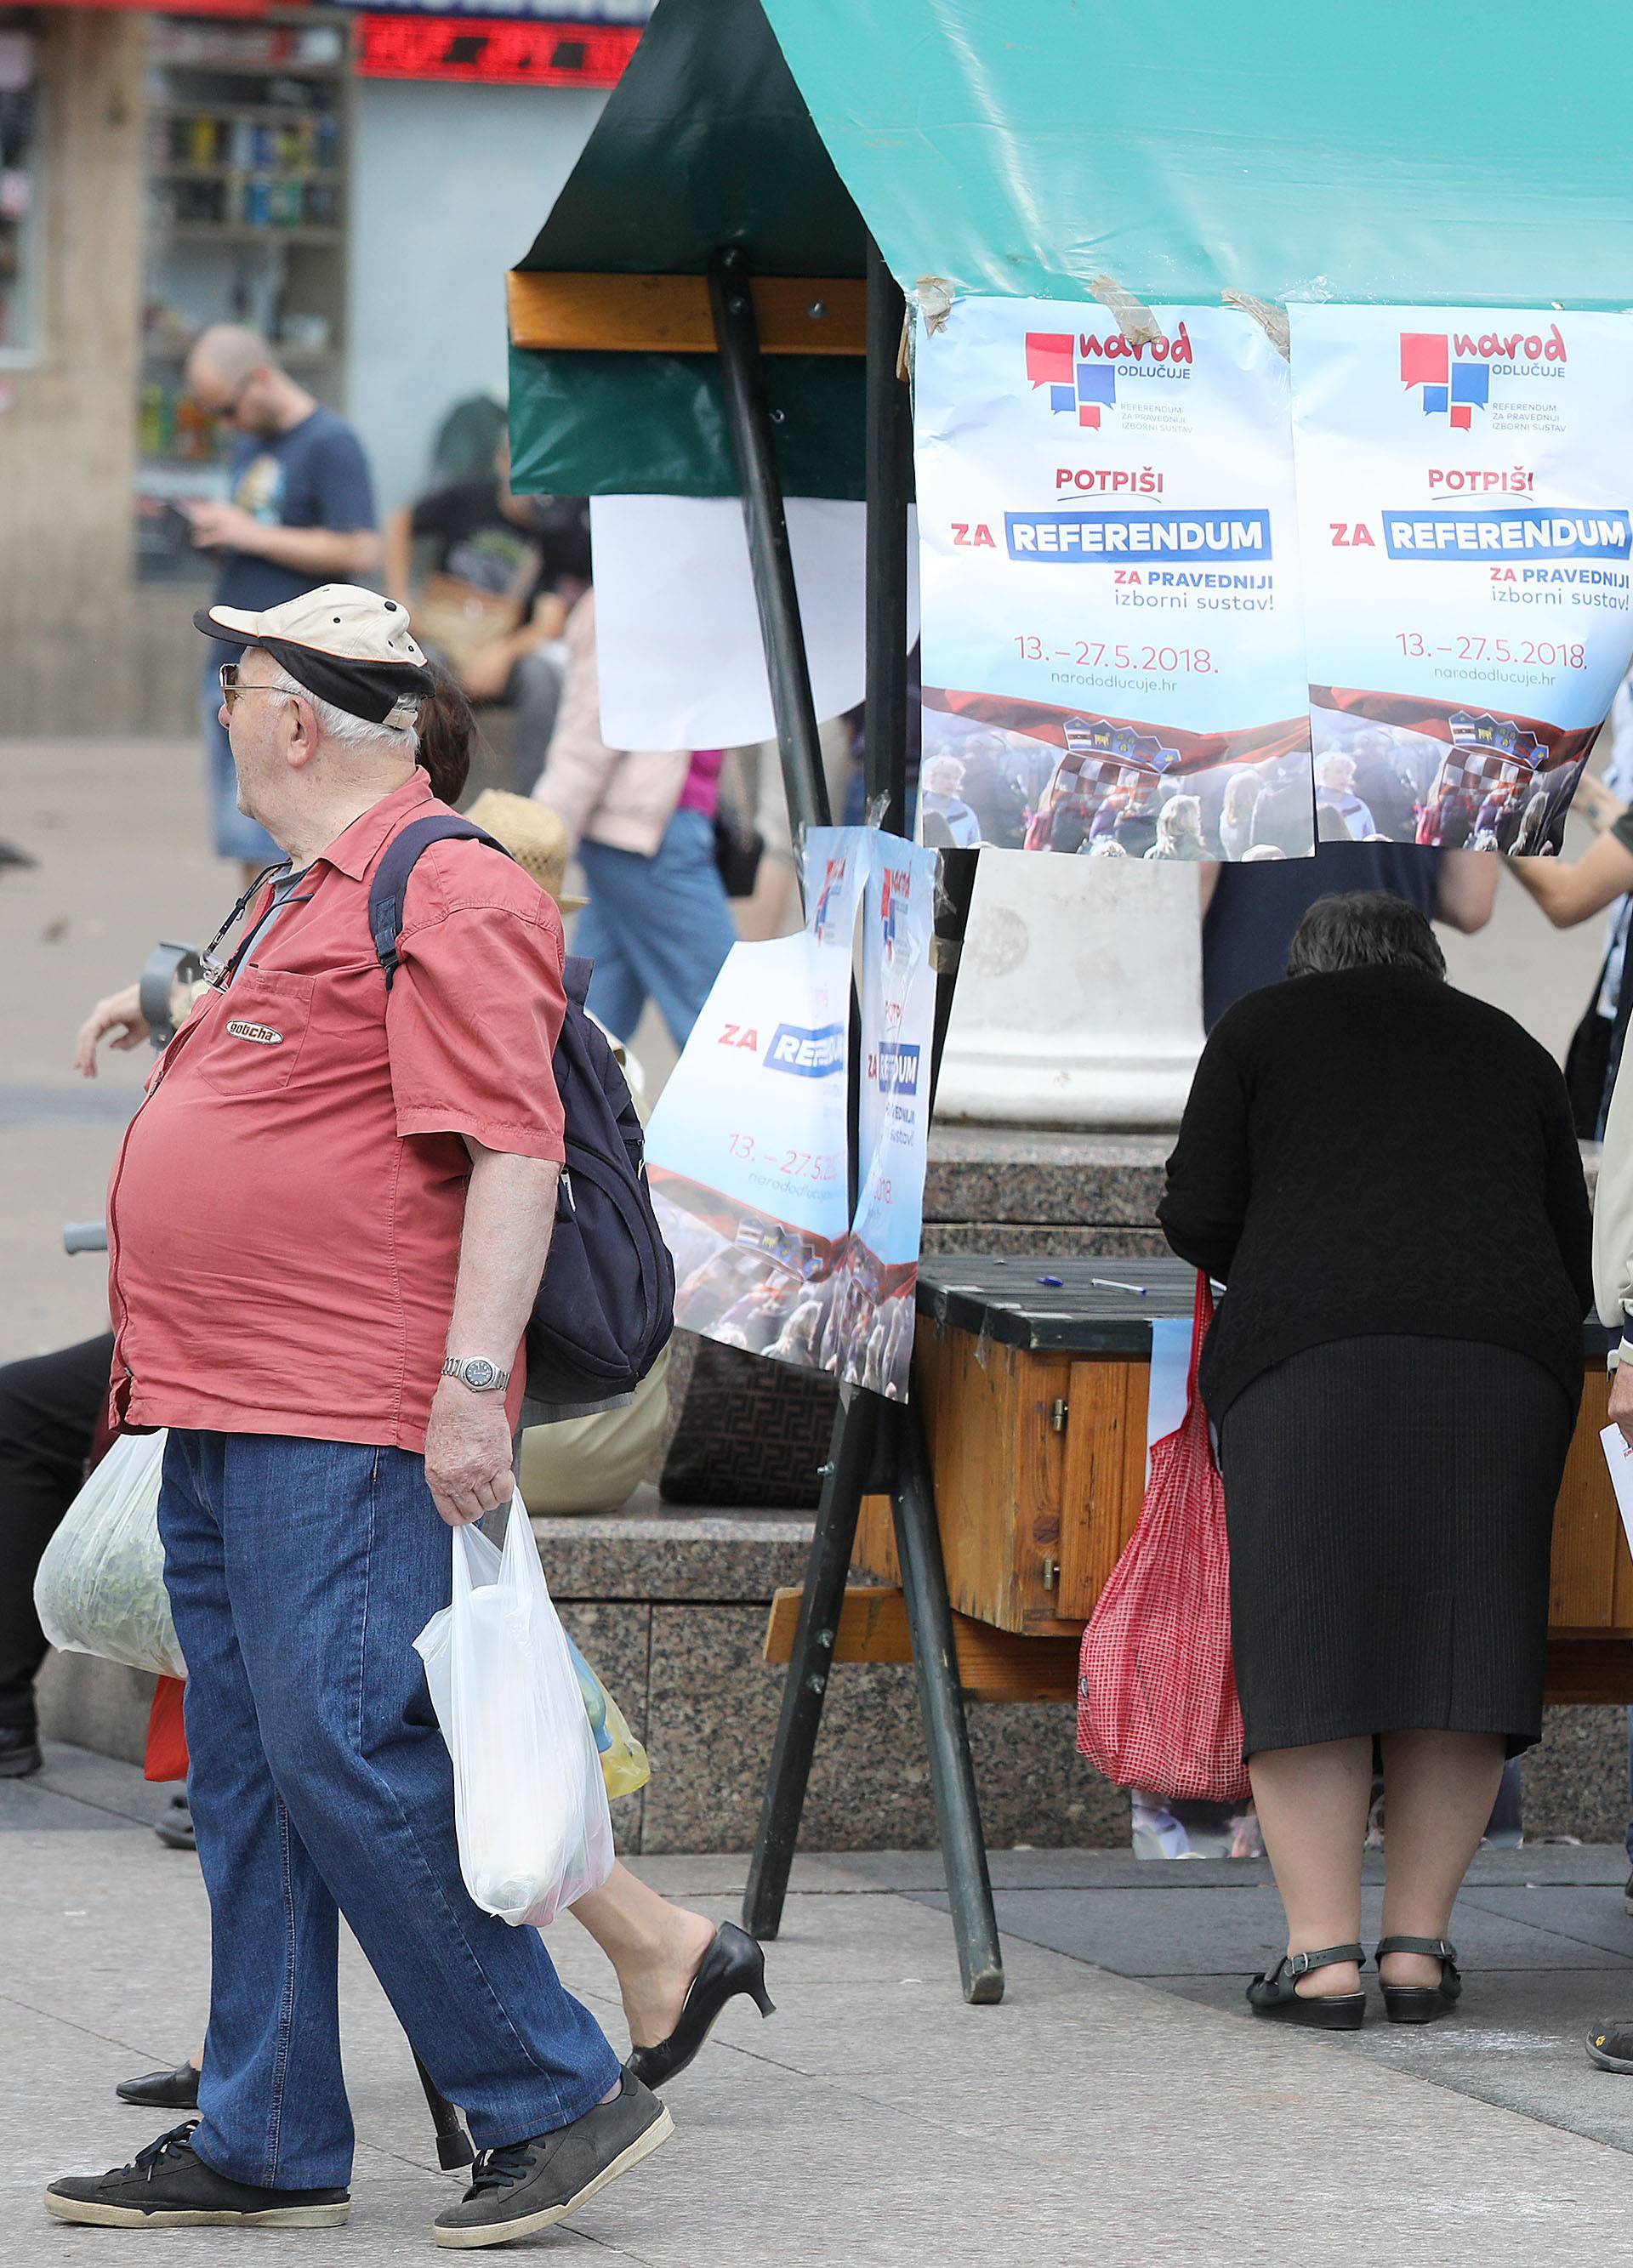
<point x="100" y="1586"/>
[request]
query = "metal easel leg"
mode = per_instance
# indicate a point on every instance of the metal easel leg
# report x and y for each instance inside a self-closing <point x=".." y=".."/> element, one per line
<point x="941" y="1703"/>
<point x="803" y="1692"/>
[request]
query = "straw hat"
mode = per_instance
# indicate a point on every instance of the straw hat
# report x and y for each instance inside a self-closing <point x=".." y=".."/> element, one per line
<point x="533" y="834"/>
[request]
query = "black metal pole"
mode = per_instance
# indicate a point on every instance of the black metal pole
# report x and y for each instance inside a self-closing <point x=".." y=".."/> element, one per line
<point x="453" y="2149"/>
<point x="771" y="561"/>
<point x="806" y="1685"/>
<point x="941" y="1703"/>
<point x="888" y="460"/>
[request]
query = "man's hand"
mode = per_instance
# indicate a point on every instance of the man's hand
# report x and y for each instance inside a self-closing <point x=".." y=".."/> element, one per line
<point x="487" y="672"/>
<point x="223" y="526"/>
<point x="467" y="1452"/>
<point x="1622" y="1399"/>
<point x="120" y="1013"/>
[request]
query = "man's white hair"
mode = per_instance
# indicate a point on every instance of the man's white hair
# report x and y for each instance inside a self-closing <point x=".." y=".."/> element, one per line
<point x="357" y="734"/>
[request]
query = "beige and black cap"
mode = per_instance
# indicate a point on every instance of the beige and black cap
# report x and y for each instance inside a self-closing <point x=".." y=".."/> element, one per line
<point x="347" y="645"/>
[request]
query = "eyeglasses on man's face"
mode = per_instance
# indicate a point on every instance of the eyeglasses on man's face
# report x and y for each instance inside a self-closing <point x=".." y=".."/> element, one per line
<point x="232" y="686"/>
<point x="225" y="413"/>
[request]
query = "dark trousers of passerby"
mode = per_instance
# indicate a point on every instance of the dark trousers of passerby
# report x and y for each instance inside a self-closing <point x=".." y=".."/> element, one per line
<point x="49" y="1406"/>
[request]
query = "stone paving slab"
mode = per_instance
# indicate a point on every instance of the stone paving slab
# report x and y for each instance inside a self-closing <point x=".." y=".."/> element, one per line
<point x="875" y="2122"/>
<point x="1543" y="1959"/>
<point x="1234" y="1931"/>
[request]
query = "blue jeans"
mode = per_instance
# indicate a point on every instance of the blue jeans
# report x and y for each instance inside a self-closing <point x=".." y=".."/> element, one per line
<point x="299" y="1573"/>
<point x="235" y="835"/>
<point x="655" y="928"/>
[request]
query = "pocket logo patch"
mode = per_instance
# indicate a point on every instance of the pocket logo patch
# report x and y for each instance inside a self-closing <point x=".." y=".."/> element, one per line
<point x="262" y="1034"/>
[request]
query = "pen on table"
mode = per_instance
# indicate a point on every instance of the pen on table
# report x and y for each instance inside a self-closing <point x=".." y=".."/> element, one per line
<point x="1104" y="1284"/>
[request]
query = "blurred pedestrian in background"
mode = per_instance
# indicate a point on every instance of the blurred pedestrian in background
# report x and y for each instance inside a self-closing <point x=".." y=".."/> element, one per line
<point x="503" y="571"/>
<point x="300" y="513"/>
<point x="1395" y="1409"/>
<point x="1248" y="919"/>
<point x="658" y="924"/>
<point x="1574" y="893"/>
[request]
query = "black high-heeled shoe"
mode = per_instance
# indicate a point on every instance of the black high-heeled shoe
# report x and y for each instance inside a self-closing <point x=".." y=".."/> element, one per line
<point x="162" y="2090"/>
<point x="1421" y="2004"/>
<point x="734" y="1963"/>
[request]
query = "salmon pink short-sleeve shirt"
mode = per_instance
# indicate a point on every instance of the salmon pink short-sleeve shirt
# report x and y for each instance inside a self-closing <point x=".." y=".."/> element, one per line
<point x="285" y="1212"/>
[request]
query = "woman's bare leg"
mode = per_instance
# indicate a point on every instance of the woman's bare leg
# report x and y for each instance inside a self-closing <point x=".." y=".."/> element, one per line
<point x="654" y="1945"/>
<point x="1438" y="1791"/>
<point x="1313" y="1803"/>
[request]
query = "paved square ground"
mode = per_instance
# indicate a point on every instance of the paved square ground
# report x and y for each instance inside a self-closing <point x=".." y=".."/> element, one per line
<point x="1118" y="2107"/>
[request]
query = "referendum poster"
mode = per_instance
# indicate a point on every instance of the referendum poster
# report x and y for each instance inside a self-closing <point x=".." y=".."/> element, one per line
<point x="1465" y="482"/>
<point x="877" y="1302"/>
<point x="746" y="1150"/>
<point x="1113" y="651"/>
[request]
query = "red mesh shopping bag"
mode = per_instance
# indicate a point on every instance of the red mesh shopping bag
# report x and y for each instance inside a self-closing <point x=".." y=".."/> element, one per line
<point x="1156" y="1705"/>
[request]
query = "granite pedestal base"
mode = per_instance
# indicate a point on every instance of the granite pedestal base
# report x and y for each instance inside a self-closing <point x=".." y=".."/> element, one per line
<point x="1023" y="1190"/>
<point x="670" y="1605"/>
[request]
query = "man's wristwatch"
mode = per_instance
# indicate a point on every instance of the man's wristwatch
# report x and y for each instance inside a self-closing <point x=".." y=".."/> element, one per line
<point x="482" y="1377"/>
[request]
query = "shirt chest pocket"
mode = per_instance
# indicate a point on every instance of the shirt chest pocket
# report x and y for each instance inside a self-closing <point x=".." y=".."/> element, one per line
<point x="260" y="1029"/>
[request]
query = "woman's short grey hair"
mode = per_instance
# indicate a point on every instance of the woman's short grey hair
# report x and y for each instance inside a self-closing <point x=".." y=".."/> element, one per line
<point x="1363" y="929"/>
<point x="356" y="733"/>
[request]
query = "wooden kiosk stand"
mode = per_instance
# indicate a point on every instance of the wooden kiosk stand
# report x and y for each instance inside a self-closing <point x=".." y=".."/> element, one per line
<point x="1031" y="1386"/>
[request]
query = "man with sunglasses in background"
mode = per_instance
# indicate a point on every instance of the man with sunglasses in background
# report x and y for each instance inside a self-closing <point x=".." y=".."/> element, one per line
<point x="301" y="512"/>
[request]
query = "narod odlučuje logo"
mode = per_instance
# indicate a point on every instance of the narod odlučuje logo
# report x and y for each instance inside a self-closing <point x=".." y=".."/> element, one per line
<point x="1455" y="369"/>
<point x="1082" y="369"/>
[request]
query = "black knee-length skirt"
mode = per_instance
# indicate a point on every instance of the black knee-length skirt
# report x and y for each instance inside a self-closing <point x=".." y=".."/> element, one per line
<point x="1390" y="1504"/>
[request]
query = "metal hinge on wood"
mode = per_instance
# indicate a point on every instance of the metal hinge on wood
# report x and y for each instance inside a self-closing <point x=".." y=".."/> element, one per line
<point x="1059" y="1412"/>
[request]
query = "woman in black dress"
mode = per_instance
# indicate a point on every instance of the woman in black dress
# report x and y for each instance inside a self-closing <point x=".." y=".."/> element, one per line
<point x="1383" y="1173"/>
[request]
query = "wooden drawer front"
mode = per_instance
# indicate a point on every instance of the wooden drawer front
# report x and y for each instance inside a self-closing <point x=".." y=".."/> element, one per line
<point x="1591" y="1581"/>
<point x="999" y="1466"/>
<point x="1104" y="1482"/>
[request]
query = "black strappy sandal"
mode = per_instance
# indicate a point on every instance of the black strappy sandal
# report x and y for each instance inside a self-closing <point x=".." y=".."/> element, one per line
<point x="1276" y="1993"/>
<point x="1421" y="2004"/>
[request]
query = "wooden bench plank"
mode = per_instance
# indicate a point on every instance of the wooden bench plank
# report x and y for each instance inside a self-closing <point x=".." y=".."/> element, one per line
<point x="994" y="1665"/>
<point x="669" y="314"/>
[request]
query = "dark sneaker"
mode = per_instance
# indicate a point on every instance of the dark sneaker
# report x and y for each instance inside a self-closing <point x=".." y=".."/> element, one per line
<point x="19" y="1752"/>
<point x="1627" y="1896"/>
<point x="169" y="2186"/>
<point x="175" y="1825"/>
<point x="528" y="2185"/>
<point x="1611" y="2046"/>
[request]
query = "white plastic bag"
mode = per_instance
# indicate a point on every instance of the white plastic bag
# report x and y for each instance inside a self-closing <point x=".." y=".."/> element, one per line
<point x="101" y="1585"/>
<point x="529" y="1801"/>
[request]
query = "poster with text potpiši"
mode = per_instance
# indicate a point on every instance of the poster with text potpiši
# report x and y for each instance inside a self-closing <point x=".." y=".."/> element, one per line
<point x="1112" y="659"/>
<point x="1465" y="483"/>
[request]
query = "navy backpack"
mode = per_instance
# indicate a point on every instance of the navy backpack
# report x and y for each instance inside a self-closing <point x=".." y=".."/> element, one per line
<point x="606" y="1308"/>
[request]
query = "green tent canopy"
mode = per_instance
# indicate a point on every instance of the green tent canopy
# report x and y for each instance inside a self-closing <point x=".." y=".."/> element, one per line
<point x="705" y="143"/>
<point x="1467" y="150"/>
